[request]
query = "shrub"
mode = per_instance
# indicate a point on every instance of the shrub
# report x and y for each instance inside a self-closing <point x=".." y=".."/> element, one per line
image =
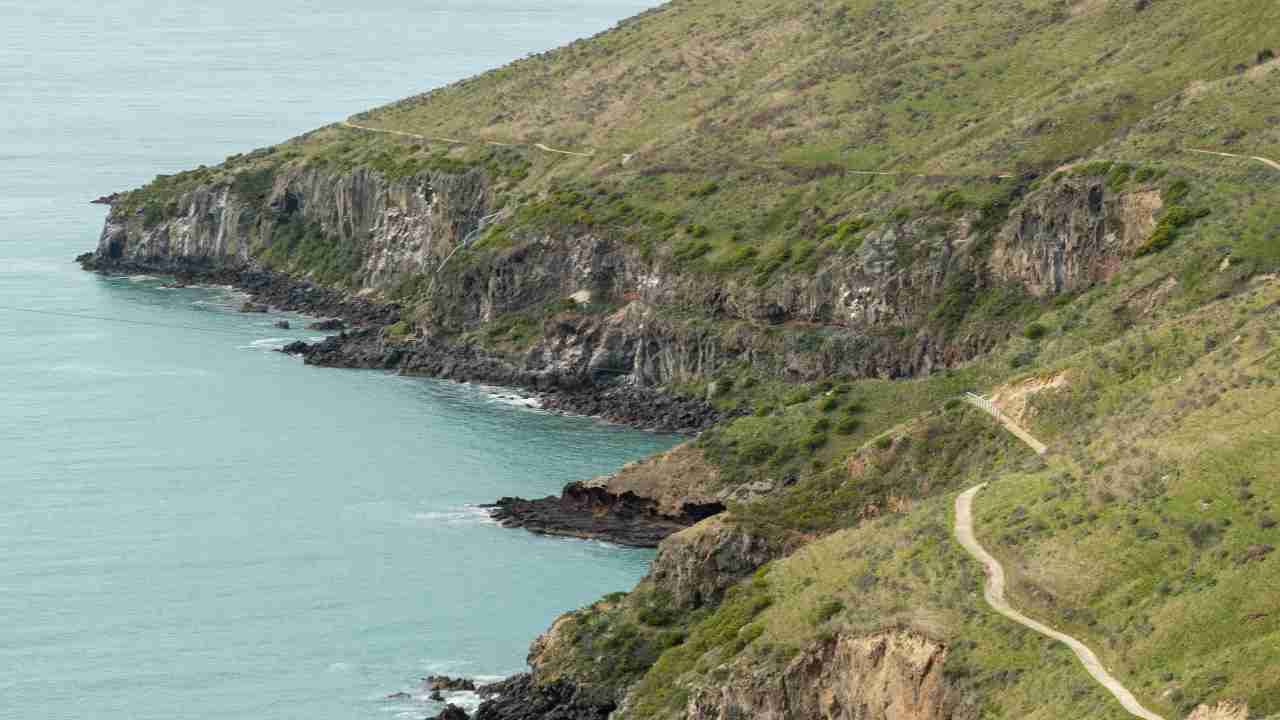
<point x="884" y="443"/>
<point x="951" y="200"/>
<point x="799" y="395"/>
<point x="691" y="250"/>
<point x="1175" y="218"/>
<point x="706" y="189"/>
<point x="821" y="425"/>
<point x="815" y="440"/>
<point x="848" y="425"/>
<point x="757" y="452"/>
<point x="825" y="611"/>
<point x="1177" y="192"/>
<point x="400" y="329"/>
<point x="828" y="404"/>
<point x="1146" y="173"/>
<point x="1035" y="331"/>
<point x="1119" y="176"/>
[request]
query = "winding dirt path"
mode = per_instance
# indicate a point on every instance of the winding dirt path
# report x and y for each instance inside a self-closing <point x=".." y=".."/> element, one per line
<point x="995" y="586"/>
<point x="455" y="141"/>
<point x="1270" y="163"/>
<point x="994" y="594"/>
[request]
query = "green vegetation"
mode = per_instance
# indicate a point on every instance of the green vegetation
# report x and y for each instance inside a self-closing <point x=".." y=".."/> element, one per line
<point x="791" y="154"/>
<point x="1175" y="218"/>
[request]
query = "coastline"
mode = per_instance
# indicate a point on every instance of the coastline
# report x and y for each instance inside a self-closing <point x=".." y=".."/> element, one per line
<point x="583" y="510"/>
<point x="365" y="344"/>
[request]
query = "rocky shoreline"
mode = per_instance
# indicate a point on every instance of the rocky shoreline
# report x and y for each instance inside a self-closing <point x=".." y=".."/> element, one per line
<point x="582" y="511"/>
<point x="610" y="400"/>
<point x="592" y="512"/>
<point x="367" y="345"/>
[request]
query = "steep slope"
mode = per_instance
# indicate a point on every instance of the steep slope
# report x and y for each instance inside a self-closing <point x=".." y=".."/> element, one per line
<point x="807" y="229"/>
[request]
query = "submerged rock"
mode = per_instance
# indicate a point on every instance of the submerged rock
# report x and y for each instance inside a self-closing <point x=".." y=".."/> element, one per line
<point x="452" y="712"/>
<point x="252" y="307"/>
<point x="445" y="682"/>
<point x="330" y="324"/>
<point x="282" y="324"/>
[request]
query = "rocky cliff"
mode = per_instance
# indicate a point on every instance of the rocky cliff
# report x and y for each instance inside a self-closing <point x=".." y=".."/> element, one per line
<point x="892" y="675"/>
<point x="599" y="311"/>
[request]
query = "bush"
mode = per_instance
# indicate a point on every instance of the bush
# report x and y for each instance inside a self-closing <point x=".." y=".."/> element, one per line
<point x="821" y="425"/>
<point x="828" y="404"/>
<point x="1177" y="192"/>
<point x="1035" y="331"/>
<point x="884" y="443"/>
<point x="824" y="612"/>
<point x="816" y="440"/>
<point x="1146" y="173"/>
<point x="848" y="426"/>
<point x="1119" y="176"/>
<point x="951" y="200"/>
<point x="1175" y="218"/>
<point x="756" y="452"/>
<point x="706" y="189"/>
<point x="691" y="250"/>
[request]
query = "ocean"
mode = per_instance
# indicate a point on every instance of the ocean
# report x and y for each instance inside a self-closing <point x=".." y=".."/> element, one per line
<point x="191" y="524"/>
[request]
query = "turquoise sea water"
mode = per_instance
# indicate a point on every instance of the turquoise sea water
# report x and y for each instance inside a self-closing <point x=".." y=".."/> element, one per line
<point x="192" y="525"/>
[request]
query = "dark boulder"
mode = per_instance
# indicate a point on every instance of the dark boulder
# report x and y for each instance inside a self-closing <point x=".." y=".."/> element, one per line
<point x="520" y="698"/>
<point x="452" y="712"/>
<point x="282" y="324"/>
<point x="330" y="324"/>
<point x="444" y="682"/>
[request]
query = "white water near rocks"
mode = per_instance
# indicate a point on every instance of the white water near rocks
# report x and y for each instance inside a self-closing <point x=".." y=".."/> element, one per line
<point x="192" y="525"/>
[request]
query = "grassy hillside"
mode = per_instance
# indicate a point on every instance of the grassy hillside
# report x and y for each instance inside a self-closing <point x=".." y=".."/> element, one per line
<point x="1149" y="531"/>
<point x="752" y="143"/>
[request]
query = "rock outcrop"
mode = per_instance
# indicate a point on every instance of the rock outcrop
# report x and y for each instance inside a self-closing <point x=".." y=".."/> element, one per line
<point x="520" y="698"/>
<point x="1072" y="234"/>
<point x="586" y="510"/>
<point x="1225" y="710"/>
<point x="891" y="675"/>
<point x="696" y="566"/>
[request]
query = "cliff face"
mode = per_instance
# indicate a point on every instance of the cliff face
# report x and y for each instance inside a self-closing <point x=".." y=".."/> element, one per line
<point x="389" y="228"/>
<point x="893" y="675"/>
<point x="696" y="566"/>
<point x="1072" y="235"/>
<point x="636" y="316"/>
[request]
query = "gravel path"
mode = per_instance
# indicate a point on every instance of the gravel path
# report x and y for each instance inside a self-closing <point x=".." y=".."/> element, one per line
<point x="994" y="590"/>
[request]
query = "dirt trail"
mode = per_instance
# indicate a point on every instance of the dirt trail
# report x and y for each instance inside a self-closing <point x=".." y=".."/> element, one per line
<point x="455" y="141"/>
<point x="1270" y="163"/>
<point x="988" y="407"/>
<point x="994" y="594"/>
<point x="994" y="590"/>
